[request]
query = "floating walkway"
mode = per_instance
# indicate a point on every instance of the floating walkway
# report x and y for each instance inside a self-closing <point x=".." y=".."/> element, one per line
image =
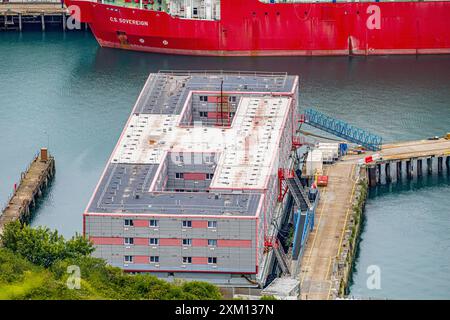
<point x="32" y="183"/>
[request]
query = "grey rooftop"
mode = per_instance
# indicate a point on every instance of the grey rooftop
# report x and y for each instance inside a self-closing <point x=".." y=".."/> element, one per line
<point x="126" y="186"/>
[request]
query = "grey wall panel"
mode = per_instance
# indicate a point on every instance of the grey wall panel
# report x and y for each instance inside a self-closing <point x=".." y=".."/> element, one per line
<point x="236" y="259"/>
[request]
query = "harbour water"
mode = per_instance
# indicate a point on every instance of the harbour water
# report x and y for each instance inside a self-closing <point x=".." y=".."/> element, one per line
<point x="63" y="91"/>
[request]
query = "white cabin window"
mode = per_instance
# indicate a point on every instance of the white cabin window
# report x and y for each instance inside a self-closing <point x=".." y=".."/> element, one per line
<point x="212" y="224"/>
<point x="179" y="175"/>
<point x="153" y="223"/>
<point x="187" y="260"/>
<point x="187" y="224"/>
<point x="212" y="260"/>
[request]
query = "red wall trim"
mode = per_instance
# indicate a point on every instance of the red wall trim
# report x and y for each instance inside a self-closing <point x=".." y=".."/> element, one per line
<point x="140" y="223"/>
<point x="192" y="271"/>
<point x="199" y="260"/>
<point x="169" y="242"/>
<point x="141" y="241"/>
<point x="199" y="224"/>
<point x="234" y="243"/>
<point x="162" y="215"/>
<point x="214" y="115"/>
<point x="141" y="259"/>
<point x="199" y="242"/>
<point x="107" y="240"/>
<point x="213" y="99"/>
<point x="196" y="242"/>
<point x="194" y="176"/>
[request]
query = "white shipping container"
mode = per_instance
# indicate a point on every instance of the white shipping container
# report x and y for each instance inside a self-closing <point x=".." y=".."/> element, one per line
<point x="314" y="162"/>
<point x="330" y="151"/>
<point x="329" y="144"/>
<point x="328" y="156"/>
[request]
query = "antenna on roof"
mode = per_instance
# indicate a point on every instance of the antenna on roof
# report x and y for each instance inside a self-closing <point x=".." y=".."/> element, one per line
<point x="221" y="100"/>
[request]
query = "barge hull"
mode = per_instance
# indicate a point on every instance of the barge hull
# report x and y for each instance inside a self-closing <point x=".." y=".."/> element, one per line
<point x="252" y="28"/>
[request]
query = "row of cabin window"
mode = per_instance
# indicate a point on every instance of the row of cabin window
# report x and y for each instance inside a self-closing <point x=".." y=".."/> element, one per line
<point x="155" y="223"/>
<point x="180" y="175"/>
<point x="207" y="159"/>
<point x="231" y="98"/>
<point x="155" y="242"/>
<point x="155" y="259"/>
<point x="152" y="259"/>
<point x="204" y="114"/>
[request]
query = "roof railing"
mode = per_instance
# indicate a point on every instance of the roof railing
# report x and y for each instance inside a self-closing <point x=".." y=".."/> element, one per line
<point x="224" y="72"/>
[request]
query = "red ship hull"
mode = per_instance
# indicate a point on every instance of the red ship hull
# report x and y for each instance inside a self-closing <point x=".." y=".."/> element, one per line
<point x="252" y="28"/>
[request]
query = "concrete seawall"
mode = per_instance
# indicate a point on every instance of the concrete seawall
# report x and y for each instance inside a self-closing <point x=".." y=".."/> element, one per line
<point x="348" y="249"/>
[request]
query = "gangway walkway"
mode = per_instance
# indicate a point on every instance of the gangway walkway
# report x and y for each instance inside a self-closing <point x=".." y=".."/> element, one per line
<point x="298" y="192"/>
<point x="342" y="129"/>
<point x="281" y="258"/>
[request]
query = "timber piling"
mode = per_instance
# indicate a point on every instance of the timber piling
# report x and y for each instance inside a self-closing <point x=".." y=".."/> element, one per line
<point x="19" y="16"/>
<point x="33" y="182"/>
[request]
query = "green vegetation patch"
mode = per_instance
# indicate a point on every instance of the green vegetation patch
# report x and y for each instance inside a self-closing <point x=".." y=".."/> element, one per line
<point x="40" y="263"/>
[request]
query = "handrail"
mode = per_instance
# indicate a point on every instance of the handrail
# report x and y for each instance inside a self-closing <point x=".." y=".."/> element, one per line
<point x="224" y="72"/>
<point x="29" y="1"/>
<point x="342" y="129"/>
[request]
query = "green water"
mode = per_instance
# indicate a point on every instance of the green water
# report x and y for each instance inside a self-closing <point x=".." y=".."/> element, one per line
<point x="65" y="91"/>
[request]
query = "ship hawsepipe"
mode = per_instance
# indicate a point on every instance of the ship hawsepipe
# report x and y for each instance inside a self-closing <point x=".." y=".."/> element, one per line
<point x="262" y="28"/>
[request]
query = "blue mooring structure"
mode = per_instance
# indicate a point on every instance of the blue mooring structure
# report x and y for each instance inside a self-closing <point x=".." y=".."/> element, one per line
<point x="343" y="130"/>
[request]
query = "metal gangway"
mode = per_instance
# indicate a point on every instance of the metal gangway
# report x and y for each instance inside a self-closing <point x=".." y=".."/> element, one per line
<point x="342" y="129"/>
<point x="298" y="191"/>
<point x="283" y="260"/>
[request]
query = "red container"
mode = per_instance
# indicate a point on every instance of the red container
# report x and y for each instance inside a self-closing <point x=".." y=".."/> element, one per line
<point x="368" y="159"/>
<point x="322" y="181"/>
